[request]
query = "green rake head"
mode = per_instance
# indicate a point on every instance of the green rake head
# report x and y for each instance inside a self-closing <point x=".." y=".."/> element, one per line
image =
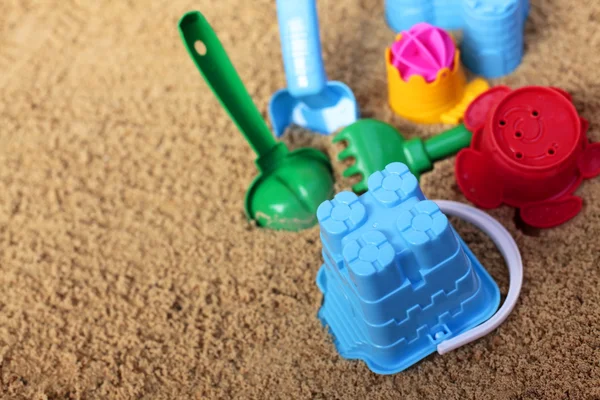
<point x="374" y="144"/>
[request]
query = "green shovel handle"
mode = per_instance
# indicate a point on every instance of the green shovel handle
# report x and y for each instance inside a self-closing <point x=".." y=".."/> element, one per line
<point x="448" y="143"/>
<point x="216" y="68"/>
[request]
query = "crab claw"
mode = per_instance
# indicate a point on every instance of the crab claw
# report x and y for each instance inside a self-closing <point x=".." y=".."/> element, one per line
<point x="563" y="92"/>
<point x="477" y="112"/>
<point x="549" y="214"/>
<point x="478" y="179"/>
<point x="589" y="164"/>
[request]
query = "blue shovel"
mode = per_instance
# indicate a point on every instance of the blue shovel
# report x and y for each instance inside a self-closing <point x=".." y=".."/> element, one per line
<point x="310" y="101"/>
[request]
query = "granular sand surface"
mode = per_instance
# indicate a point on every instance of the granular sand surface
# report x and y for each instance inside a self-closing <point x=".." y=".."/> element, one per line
<point x="128" y="269"/>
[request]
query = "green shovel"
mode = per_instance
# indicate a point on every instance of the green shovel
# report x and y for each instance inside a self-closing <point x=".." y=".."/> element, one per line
<point x="290" y="185"/>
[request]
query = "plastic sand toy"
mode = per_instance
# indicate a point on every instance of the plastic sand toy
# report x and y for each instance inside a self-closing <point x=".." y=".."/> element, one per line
<point x="424" y="50"/>
<point x="310" y="100"/>
<point x="374" y="144"/>
<point x="290" y="185"/>
<point x="493" y="30"/>
<point x="529" y="151"/>
<point x="398" y="282"/>
<point x="493" y="36"/>
<point x="426" y="81"/>
<point x="402" y="14"/>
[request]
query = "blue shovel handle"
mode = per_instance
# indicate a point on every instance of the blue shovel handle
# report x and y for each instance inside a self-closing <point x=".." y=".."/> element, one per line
<point x="301" y="47"/>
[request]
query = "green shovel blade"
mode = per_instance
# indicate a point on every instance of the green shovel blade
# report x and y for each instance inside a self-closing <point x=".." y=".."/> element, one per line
<point x="288" y="196"/>
<point x="290" y="186"/>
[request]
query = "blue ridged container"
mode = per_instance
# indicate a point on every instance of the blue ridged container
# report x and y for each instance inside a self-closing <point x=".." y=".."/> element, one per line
<point x="493" y="33"/>
<point x="402" y="14"/>
<point x="447" y="14"/>
<point x="396" y="279"/>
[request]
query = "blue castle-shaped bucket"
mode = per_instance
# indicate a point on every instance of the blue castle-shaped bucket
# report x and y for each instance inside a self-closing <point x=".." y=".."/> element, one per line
<point x="397" y="279"/>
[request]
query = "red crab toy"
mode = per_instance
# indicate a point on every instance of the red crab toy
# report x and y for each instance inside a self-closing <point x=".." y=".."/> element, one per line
<point x="530" y="151"/>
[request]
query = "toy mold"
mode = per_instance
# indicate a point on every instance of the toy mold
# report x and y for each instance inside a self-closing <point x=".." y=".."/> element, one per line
<point x="530" y="151"/>
<point x="441" y="100"/>
<point x="424" y="50"/>
<point x="397" y="279"/>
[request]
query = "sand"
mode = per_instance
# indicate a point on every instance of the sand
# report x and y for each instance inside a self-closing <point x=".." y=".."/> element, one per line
<point x="128" y="269"/>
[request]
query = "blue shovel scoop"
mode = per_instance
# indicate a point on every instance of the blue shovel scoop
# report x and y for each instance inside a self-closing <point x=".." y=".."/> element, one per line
<point x="309" y="101"/>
